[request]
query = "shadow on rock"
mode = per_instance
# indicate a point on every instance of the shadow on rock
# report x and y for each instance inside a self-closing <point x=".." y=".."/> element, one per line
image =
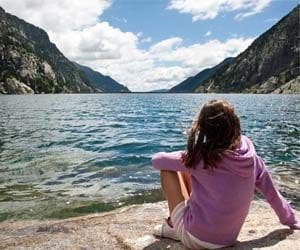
<point x="267" y="241"/>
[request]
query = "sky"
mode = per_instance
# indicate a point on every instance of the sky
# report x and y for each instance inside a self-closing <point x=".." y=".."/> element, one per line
<point x="151" y="44"/>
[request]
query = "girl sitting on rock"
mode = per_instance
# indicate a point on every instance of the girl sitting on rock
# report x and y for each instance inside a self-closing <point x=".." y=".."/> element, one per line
<point x="210" y="186"/>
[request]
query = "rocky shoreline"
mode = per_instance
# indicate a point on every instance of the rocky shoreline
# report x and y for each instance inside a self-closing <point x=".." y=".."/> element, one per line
<point x="131" y="227"/>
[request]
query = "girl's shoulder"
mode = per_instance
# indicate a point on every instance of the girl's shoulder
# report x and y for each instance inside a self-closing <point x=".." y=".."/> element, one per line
<point x="244" y="150"/>
<point x="247" y="142"/>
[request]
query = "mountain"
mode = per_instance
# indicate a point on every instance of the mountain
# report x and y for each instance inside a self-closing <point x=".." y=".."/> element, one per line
<point x="269" y="64"/>
<point x="190" y="84"/>
<point x="30" y="63"/>
<point x="99" y="81"/>
<point x="159" y="91"/>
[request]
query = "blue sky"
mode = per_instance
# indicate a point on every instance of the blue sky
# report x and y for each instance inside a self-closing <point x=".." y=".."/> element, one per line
<point x="151" y="44"/>
<point x="154" y="20"/>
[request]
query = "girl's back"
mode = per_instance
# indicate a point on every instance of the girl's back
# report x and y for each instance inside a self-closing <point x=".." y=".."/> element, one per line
<point x="225" y="170"/>
<point x="220" y="197"/>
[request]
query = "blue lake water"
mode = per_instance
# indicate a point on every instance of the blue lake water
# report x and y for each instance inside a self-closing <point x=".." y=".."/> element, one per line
<point x="98" y="147"/>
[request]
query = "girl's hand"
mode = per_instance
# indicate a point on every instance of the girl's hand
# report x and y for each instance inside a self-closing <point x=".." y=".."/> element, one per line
<point x="296" y="226"/>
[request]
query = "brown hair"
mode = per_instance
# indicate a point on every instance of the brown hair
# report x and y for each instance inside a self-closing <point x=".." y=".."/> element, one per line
<point x="216" y="130"/>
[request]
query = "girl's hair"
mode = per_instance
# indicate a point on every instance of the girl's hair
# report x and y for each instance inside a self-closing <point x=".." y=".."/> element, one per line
<point x="216" y="130"/>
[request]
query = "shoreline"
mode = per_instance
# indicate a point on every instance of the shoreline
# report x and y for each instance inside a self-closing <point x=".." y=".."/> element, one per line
<point x="153" y="93"/>
<point x="131" y="227"/>
<point x="62" y="209"/>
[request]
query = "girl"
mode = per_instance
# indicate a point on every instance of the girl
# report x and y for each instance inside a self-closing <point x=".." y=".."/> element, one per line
<point x="209" y="187"/>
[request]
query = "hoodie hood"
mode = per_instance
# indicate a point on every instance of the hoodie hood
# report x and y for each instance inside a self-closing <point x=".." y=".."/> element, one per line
<point x="241" y="160"/>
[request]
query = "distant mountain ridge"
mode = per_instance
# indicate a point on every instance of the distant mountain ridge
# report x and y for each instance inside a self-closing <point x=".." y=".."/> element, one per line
<point x="159" y="91"/>
<point x="31" y="63"/>
<point x="105" y="83"/>
<point x="269" y="65"/>
<point x="190" y="84"/>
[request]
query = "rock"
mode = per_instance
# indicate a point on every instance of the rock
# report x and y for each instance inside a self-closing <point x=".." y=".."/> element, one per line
<point x="48" y="71"/>
<point x="26" y="73"/>
<point x="291" y="87"/>
<point x="14" y="86"/>
<point x="2" y="88"/>
<point x="269" y="85"/>
<point x="131" y="228"/>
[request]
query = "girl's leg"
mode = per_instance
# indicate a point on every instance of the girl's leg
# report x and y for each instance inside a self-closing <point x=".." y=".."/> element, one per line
<point x="185" y="184"/>
<point x="176" y="187"/>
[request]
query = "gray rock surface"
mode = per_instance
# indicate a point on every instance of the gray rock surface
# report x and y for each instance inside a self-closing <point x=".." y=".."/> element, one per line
<point x="291" y="87"/>
<point x="132" y="227"/>
<point x="14" y="86"/>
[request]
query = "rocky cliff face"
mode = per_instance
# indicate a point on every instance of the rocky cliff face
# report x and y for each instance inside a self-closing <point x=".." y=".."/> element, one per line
<point x="30" y="63"/>
<point x="270" y="64"/>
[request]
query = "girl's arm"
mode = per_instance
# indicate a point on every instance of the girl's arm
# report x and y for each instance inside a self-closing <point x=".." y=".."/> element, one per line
<point x="265" y="186"/>
<point x="169" y="161"/>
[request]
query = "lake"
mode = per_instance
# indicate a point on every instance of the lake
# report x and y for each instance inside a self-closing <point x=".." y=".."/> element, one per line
<point x="62" y="155"/>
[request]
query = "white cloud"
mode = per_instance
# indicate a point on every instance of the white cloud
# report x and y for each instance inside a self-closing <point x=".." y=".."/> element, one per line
<point x="166" y="45"/>
<point x="57" y="15"/>
<point x="256" y="7"/>
<point x="146" y="40"/>
<point x="164" y="65"/>
<point x="76" y="29"/>
<point x="208" y="33"/>
<point x="98" y="42"/>
<point x="202" y="10"/>
<point x="199" y="56"/>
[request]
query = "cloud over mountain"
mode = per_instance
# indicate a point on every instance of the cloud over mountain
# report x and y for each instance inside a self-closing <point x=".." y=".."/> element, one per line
<point x="76" y="27"/>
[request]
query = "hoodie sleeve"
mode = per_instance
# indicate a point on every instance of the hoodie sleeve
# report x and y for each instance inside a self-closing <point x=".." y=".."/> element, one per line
<point x="169" y="161"/>
<point x="265" y="186"/>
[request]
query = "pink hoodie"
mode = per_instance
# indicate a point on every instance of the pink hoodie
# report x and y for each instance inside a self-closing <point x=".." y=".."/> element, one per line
<point x="220" y="199"/>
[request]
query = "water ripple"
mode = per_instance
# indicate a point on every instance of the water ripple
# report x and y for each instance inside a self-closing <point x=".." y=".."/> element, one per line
<point x="101" y="145"/>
